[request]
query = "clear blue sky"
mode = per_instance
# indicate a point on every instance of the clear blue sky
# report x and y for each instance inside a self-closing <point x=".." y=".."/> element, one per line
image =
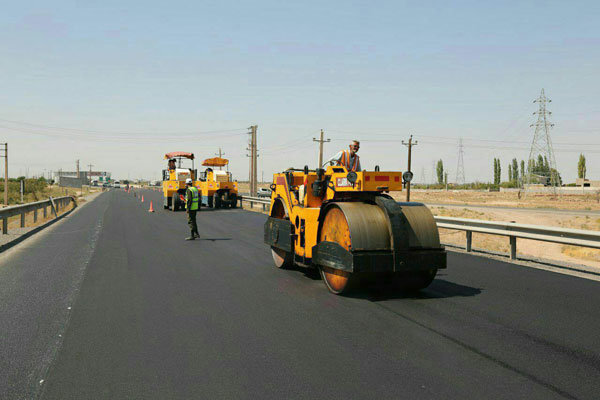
<point x="125" y="82"/>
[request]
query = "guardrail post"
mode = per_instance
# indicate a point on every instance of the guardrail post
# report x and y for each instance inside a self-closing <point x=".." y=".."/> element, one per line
<point x="513" y="247"/>
<point x="264" y="205"/>
<point x="23" y="219"/>
<point x="251" y="204"/>
<point x="469" y="240"/>
<point x="5" y="225"/>
<point x="35" y="215"/>
<point x="45" y="211"/>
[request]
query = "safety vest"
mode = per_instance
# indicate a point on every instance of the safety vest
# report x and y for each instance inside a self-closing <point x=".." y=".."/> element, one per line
<point x="345" y="161"/>
<point x="195" y="198"/>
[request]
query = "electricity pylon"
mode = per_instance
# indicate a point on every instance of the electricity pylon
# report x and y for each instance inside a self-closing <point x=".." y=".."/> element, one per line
<point x="460" y="168"/>
<point x="542" y="146"/>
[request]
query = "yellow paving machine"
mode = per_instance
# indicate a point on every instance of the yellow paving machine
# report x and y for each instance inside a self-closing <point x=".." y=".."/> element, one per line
<point x="217" y="189"/>
<point x="174" y="178"/>
<point x="347" y="226"/>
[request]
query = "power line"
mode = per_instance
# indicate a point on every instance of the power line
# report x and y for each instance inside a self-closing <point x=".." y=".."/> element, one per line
<point x="104" y="132"/>
<point x="122" y="139"/>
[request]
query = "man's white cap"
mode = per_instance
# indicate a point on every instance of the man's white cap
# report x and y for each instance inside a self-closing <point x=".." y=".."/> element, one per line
<point x="188" y="181"/>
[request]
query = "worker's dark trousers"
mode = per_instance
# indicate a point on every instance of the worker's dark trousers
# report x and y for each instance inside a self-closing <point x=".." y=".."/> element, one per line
<point x="192" y="222"/>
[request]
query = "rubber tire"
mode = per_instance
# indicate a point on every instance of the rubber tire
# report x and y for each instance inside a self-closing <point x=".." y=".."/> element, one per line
<point x="175" y="202"/>
<point x="234" y="201"/>
<point x="217" y="200"/>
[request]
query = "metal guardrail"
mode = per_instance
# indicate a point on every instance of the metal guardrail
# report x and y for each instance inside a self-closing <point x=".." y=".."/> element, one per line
<point x="265" y="201"/>
<point x="55" y="204"/>
<point x="574" y="237"/>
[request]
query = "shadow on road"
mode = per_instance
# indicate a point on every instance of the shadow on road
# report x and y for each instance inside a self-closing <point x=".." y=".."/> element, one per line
<point x="380" y="291"/>
<point x="214" y="239"/>
<point x="439" y="289"/>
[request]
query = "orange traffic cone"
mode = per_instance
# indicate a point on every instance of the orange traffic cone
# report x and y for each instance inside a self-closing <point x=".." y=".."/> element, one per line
<point x="151" y="208"/>
<point x="142" y="198"/>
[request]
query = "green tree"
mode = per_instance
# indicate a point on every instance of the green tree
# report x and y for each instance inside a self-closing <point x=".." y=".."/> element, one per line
<point x="581" y="170"/>
<point x="509" y="173"/>
<point x="440" y="171"/>
<point x="499" y="178"/>
<point x="515" y="170"/>
<point x="496" y="171"/>
<point x="523" y="170"/>
<point x="540" y="163"/>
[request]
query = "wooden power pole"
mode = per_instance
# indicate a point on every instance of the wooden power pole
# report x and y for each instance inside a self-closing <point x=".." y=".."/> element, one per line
<point x="253" y="179"/>
<point x="90" y="175"/>
<point x="5" y="155"/>
<point x="321" y="141"/>
<point x="409" y="144"/>
<point x="221" y="154"/>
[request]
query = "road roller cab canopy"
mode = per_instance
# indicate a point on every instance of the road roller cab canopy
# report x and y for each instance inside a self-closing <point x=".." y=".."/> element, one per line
<point x="215" y="162"/>
<point x="177" y="157"/>
<point x="179" y="154"/>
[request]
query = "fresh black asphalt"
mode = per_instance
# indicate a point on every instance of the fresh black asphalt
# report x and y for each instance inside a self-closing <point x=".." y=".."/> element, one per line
<point x="156" y="317"/>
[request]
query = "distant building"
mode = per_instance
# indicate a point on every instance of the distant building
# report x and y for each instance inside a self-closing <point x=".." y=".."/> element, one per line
<point x="71" y="179"/>
<point x="587" y="183"/>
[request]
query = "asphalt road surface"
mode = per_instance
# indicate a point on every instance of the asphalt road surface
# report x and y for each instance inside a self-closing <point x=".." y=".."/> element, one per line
<point x="112" y="303"/>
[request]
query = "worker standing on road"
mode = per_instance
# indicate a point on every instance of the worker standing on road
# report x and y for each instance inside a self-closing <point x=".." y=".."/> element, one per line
<point x="191" y="206"/>
<point x="348" y="158"/>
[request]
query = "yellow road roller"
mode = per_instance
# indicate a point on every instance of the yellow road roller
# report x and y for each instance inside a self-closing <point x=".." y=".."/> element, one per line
<point x="217" y="189"/>
<point x="347" y="226"/>
<point x="174" y="177"/>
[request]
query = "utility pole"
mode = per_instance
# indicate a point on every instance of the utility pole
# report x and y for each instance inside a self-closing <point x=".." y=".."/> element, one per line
<point x="90" y="176"/>
<point x="5" y="155"/>
<point x="253" y="160"/>
<point x="221" y="154"/>
<point x="409" y="144"/>
<point x="77" y="166"/>
<point x="321" y="141"/>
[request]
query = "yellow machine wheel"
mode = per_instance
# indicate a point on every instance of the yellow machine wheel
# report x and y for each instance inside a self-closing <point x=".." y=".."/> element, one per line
<point x="335" y="229"/>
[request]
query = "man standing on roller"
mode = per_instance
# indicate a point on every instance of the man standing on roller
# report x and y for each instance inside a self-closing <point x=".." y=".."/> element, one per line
<point x="192" y="203"/>
<point x="348" y="158"/>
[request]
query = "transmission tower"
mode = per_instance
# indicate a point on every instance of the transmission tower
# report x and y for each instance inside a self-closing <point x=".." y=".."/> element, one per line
<point x="460" y="168"/>
<point x="422" y="179"/>
<point x="542" y="145"/>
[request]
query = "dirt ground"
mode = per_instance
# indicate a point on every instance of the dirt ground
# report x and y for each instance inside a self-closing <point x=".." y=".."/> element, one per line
<point x="552" y="251"/>
<point x="505" y="199"/>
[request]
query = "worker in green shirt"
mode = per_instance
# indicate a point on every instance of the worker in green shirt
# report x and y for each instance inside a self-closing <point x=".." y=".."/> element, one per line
<point x="192" y="203"/>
